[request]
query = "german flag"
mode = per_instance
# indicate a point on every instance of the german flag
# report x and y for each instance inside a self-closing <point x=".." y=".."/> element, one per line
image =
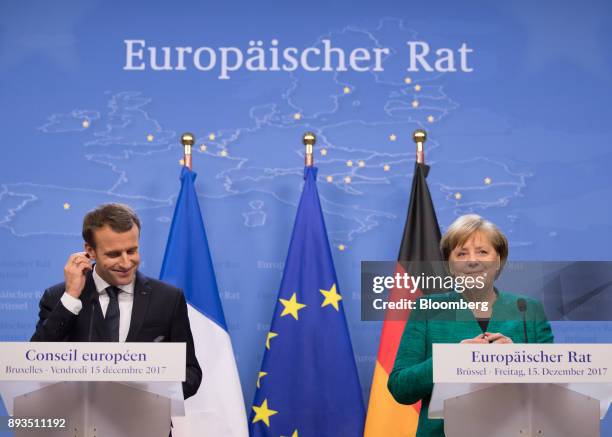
<point x="420" y="242"/>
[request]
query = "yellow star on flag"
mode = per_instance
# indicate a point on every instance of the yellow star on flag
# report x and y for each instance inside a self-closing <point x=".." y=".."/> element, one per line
<point x="263" y="413"/>
<point x="292" y="306"/>
<point x="295" y="434"/>
<point x="331" y="297"/>
<point x="270" y="336"/>
<point x="261" y="375"/>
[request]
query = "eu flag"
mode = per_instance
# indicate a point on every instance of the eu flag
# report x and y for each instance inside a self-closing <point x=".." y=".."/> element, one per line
<point x="308" y="384"/>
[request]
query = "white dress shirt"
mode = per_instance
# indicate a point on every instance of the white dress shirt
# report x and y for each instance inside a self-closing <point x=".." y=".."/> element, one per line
<point x="126" y="301"/>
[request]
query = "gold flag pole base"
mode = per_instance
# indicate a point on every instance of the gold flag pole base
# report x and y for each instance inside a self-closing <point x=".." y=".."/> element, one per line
<point x="420" y="136"/>
<point x="309" y="139"/>
<point x="188" y="140"/>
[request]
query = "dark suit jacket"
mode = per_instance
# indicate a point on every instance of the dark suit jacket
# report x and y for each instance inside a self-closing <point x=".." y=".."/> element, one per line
<point x="159" y="313"/>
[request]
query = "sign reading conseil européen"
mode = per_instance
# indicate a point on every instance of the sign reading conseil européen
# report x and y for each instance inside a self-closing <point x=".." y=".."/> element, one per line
<point x="92" y="361"/>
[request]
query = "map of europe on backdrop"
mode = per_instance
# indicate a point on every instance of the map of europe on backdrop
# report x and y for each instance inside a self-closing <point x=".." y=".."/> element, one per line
<point x="120" y="143"/>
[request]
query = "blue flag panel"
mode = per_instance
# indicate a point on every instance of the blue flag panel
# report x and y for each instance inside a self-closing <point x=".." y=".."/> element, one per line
<point x="187" y="263"/>
<point x="308" y="385"/>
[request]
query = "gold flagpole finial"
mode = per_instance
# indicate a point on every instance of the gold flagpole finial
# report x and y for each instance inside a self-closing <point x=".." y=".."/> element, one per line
<point x="309" y="139"/>
<point x="188" y="140"/>
<point x="420" y="136"/>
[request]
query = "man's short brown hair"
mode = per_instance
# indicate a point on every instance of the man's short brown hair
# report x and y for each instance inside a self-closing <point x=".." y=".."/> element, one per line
<point x="118" y="216"/>
<point x="462" y="229"/>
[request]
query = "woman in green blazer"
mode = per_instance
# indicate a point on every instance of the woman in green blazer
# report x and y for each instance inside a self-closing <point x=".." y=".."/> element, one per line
<point x="473" y="247"/>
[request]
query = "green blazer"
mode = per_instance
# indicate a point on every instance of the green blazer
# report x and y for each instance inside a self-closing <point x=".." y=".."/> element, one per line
<point x="412" y="377"/>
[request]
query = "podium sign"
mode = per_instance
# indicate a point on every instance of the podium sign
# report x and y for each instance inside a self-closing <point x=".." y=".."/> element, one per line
<point x="530" y="390"/>
<point x="522" y="363"/>
<point x="97" y="389"/>
<point x="117" y="362"/>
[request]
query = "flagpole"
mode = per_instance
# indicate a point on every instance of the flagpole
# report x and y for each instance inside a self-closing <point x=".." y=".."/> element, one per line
<point x="309" y="139"/>
<point x="188" y="265"/>
<point x="328" y="400"/>
<point x="420" y="136"/>
<point x="188" y="140"/>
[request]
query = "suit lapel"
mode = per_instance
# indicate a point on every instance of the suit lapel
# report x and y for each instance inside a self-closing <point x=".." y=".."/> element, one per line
<point x="99" y="327"/>
<point x="142" y="295"/>
<point x="91" y="301"/>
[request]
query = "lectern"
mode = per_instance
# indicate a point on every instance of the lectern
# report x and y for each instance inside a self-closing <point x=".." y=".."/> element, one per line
<point x="510" y="410"/>
<point x="132" y="389"/>
<point x="518" y="397"/>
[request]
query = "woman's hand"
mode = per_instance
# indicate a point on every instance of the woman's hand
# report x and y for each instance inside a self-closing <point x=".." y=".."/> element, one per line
<point x="488" y="337"/>
<point x="479" y="339"/>
<point x="497" y="337"/>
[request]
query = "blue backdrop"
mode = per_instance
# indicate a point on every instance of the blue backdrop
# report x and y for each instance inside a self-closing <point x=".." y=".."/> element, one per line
<point x="514" y="96"/>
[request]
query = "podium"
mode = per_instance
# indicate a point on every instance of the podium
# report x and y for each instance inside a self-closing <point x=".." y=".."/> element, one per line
<point x="505" y="410"/>
<point x="523" y="400"/>
<point x="114" y="399"/>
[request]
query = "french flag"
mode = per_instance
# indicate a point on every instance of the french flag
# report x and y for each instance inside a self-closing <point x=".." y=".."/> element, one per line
<point x="218" y="407"/>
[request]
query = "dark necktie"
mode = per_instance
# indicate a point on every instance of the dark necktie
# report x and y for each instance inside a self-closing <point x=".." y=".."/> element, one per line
<point x="111" y="320"/>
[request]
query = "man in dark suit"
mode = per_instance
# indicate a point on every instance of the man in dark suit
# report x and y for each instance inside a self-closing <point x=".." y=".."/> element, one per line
<point x="105" y="298"/>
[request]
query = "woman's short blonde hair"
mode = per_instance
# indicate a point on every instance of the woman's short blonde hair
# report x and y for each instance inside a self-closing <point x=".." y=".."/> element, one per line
<point x="462" y="229"/>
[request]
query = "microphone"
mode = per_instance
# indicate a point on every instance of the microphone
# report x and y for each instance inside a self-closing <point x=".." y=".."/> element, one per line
<point x="522" y="307"/>
<point x="92" y="308"/>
